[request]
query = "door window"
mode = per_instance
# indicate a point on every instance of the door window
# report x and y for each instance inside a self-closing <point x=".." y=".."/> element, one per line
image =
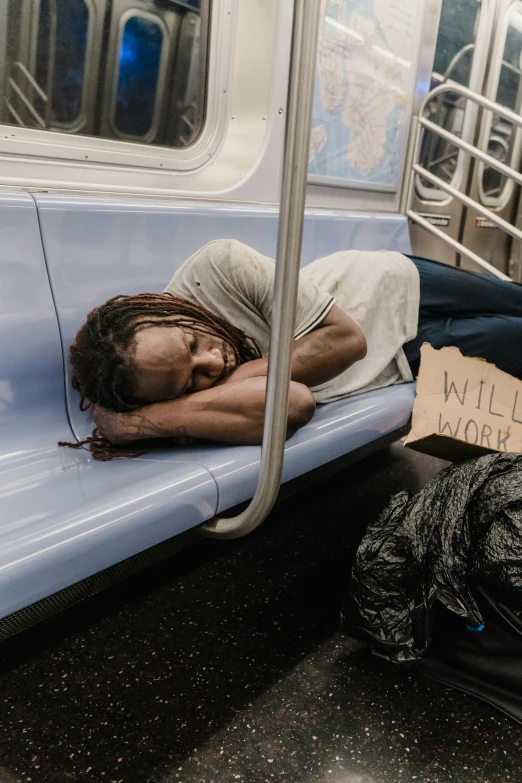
<point x="453" y="62"/>
<point x="139" y="59"/>
<point x="503" y="138"/>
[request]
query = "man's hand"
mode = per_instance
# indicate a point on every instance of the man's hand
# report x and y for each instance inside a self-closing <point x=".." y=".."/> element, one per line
<point x="121" y="428"/>
<point x="229" y="413"/>
<point x="111" y="425"/>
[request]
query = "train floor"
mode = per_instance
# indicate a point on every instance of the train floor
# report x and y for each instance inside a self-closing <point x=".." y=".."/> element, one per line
<point x="225" y="663"/>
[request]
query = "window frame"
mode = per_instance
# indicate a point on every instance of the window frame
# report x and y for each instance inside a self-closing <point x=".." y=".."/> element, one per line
<point x="217" y="34"/>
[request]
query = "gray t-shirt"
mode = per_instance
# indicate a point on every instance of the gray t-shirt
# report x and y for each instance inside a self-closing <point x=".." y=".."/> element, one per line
<point x="379" y="290"/>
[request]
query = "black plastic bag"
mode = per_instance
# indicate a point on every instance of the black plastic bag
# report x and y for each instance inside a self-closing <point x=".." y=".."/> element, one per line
<point x="487" y="665"/>
<point x="463" y="529"/>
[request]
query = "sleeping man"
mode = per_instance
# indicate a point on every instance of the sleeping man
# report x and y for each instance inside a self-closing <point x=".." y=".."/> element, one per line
<point x="192" y="362"/>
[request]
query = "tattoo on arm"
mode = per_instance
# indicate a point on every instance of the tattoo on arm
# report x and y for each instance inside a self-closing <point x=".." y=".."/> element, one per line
<point x="142" y="427"/>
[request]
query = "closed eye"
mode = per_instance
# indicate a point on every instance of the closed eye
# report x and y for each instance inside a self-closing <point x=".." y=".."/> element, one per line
<point x="191" y="385"/>
<point x="194" y="345"/>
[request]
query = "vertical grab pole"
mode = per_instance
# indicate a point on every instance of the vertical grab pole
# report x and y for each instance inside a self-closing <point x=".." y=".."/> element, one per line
<point x="291" y="218"/>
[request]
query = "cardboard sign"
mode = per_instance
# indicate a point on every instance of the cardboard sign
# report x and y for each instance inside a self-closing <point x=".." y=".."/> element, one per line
<point x="464" y="407"/>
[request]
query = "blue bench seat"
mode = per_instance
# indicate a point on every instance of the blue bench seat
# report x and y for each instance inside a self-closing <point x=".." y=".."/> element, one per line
<point x="63" y="516"/>
<point x="336" y="429"/>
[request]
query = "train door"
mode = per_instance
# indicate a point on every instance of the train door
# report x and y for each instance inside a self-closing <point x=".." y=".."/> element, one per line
<point x="461" y="57"/>
<point x="501" y="140"/>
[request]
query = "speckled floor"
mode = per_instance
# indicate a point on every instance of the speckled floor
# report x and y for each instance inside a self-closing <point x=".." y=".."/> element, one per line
<point x="225" y="664"/>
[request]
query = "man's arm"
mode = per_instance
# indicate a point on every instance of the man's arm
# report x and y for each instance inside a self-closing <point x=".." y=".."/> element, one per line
<point x="234" y="411"/>
<point x="323" y="354"/>
<point x="230" y="413"/>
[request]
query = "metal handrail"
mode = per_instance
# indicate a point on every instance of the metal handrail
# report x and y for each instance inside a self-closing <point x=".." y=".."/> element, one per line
<point x="12" y="111"/>
<point x="456" y="60"/>
<point x="32" y="81"/>
<point x="16" y="88"/>
<point x="286" y="282"/>
<point x="27" y="103"/>
<point x="421" y="122"/>
<point x="470" y="149"/>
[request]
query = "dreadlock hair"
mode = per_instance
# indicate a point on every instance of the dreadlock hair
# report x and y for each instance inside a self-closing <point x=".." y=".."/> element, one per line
<point x="102" y="356"/>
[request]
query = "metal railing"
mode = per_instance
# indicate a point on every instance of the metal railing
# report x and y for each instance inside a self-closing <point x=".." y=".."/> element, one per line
<point x="286" y="282"/>
<point x="422" y="123"/>
<point x="15" y="87"/>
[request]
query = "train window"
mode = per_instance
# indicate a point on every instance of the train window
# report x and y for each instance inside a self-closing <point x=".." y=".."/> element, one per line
<point x="45" y="88"/>
<point x="139" y="59"/>
<point x="503" y="138"/>
<point x="453" y="62"/>
<point x="123" y="69"/>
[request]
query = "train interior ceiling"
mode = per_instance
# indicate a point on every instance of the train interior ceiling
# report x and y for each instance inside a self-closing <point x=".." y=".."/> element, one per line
<point x="133" y="132"/>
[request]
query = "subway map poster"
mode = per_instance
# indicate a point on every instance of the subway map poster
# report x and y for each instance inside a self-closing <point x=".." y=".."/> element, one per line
<point x="365" y="82"/>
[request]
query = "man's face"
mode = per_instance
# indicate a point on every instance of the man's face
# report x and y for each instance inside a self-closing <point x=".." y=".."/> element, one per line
<point x="172" y="361"/>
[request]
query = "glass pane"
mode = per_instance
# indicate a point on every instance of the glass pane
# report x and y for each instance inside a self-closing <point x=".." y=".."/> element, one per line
<point x="59" y="65"/>
<point x="131" y="69"/>
<point x="502" y="135"/>
<point x="43" y="56"/>
<point x="139" y="58"/>
<point x="186" y="91"/>
<point x="69" y="61"/>
<point x="453" y="56"/>
<point x="453" y="61"/>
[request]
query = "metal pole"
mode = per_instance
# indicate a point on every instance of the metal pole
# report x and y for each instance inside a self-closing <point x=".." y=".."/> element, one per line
<point x="291" y="218"/>
<point x="411" y="157"/>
